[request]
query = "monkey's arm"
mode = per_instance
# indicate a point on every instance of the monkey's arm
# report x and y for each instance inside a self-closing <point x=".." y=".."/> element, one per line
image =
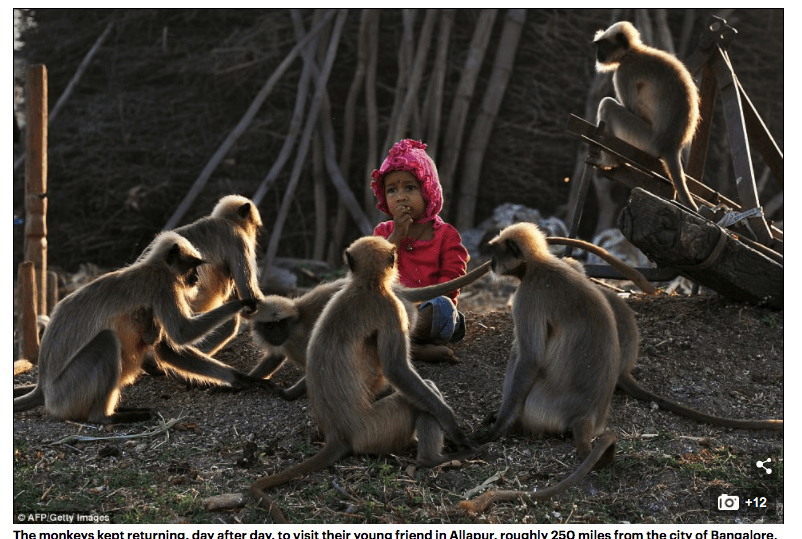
<point x="244" y="272"/>
<point x="269" y="364"/>
<point x="393" y="351"/>
<point x="192" y="364"/>
<point x="183" y="330"/>
<point x="521" y="374"/>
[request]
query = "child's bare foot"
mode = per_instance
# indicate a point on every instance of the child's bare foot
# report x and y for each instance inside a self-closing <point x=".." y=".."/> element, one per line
<point x="433" y="353"/>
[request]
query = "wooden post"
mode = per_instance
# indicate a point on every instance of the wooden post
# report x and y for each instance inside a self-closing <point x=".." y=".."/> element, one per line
<point x="36" y="179"/>
<point x="29" y="334"/>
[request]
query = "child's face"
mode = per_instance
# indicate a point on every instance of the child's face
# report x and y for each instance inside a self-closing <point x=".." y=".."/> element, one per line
<point x="403" y="194"/>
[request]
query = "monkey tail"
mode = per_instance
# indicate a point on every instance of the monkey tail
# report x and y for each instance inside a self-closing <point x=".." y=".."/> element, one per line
<point x="32" y="397"/>
<point x="483" y="502"/>
<point x="677" y="176"/>
<point x="630" y="386"/>
<point x="631" y="273"/>
<point x="331" y="453"/>
<point x="426" y="293"/>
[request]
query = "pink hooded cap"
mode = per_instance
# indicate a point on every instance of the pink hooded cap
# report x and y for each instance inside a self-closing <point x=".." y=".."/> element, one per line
<point x="411" y="155"/>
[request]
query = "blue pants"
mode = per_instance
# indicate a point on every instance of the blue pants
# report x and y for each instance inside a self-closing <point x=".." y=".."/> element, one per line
<point x="448" y="324"/>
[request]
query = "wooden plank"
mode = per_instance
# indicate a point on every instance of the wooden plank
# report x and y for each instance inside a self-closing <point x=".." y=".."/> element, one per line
<point x="698" y="249"/>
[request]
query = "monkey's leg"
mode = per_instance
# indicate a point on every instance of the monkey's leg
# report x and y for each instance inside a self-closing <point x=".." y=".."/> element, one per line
<point x="427" y="344"/>
<point x="88" y="387"/>
<point x="431" y="439"/>
<point x="623" y="124"/>
<point x="583" y="431"/>
<point x="270" y="364"/>
<point x="215" y="340"/>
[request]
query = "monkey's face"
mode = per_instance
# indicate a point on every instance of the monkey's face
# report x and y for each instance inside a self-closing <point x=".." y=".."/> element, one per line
<point x="275" y="332"/>
<point x="191" y="276"/>
<point x="612" y="44"/>
<point x="403" y="194"/>
<point x="508" y="260"/>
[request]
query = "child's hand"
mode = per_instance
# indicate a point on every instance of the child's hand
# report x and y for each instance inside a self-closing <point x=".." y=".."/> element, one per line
<point x="403" y="220"/>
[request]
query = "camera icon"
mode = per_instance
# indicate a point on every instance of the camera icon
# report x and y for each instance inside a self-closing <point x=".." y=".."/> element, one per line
<point x="728" y="503"/>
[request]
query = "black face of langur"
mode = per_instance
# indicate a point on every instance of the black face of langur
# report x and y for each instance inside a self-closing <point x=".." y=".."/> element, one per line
<point x="275" y="332"/>
<point x="609" y="50"/>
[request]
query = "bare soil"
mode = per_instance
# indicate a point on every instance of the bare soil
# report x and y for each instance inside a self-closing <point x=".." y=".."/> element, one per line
<point x="707" y="352"/>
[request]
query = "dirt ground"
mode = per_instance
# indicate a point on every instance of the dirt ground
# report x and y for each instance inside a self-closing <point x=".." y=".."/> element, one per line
<point x="712" y="354"/>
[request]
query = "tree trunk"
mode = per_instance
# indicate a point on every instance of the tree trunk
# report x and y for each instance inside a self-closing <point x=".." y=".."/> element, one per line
<point x="676" y="238"/>
<point x="306" y="138"/>
<point x="371" y="161"/>
<point x="398" y="129"/>
<point x="483" y="127"/>
<point x="357" y="83"/>
<point x="462" y="101"/>
<point x="405" y="54"/>
<point x="433" y="103"/>
<point x="239" y="129"/>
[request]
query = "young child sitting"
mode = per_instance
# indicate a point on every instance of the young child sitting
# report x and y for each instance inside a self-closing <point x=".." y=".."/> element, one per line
<point x="429" y="250"/>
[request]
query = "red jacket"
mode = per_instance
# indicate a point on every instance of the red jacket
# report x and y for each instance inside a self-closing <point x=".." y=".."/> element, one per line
<point x="438" y="260"/>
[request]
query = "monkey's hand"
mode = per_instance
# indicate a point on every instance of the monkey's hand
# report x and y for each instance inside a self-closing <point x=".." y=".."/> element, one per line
<point x="494" y="433"/>
<point x="249" y="306"/>
<point x="459" y="439"/>
<point x="245" y="381"/>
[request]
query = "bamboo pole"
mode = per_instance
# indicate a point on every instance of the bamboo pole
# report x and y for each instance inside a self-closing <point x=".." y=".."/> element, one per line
<point x="433" y="103"/>
<point x="65" y="95"/>
<point x="483" y="126"/>
<point x="244" y="122"/>
<point x="462" y="100"/>
<point x="398" y="128"/>
<point x="349" y="113"/>
<point x="372" y="114"/>
<point x="36" y="180"/>
<point x="306" y="138"/>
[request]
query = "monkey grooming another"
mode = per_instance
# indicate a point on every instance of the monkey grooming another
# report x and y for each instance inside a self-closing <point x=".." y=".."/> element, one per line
<point x="360" y="345"/>
<point x="282" y="326"/>
<point x="657" y="106"/>
<point x="227" y="239"/>
<point x="99" y="335"/>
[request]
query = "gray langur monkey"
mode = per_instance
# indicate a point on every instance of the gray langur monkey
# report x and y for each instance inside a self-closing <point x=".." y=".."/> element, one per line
<point x="359" y="346"/>
<point x="99" y="335"/>
<point x="629" y="341"/>
<point x="227" y="240"/>
<point x="574" y="343"/>
<point x="657" y="105"/>
<point x="282" y="326"/>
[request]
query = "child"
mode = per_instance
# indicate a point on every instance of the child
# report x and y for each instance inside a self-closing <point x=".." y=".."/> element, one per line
<point x="429" y="251"/>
